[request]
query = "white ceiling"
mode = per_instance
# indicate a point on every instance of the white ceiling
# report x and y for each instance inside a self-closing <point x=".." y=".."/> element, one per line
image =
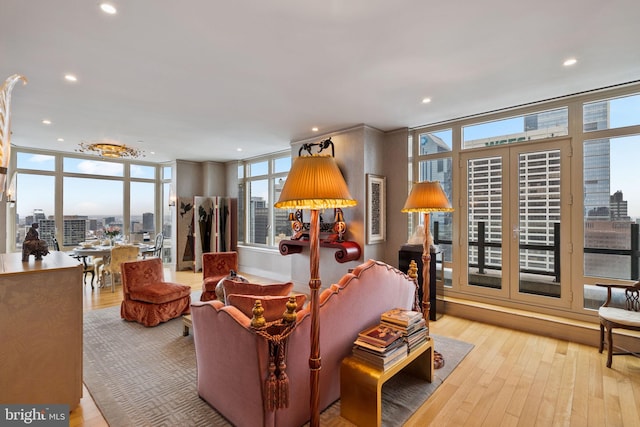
<point x="199" y="79"/>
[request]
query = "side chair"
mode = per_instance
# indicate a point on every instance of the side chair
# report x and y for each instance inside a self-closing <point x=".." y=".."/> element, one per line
<point x="626" y="317"/>
<point x="215" y="267"/>
<point x="119" y="254"/>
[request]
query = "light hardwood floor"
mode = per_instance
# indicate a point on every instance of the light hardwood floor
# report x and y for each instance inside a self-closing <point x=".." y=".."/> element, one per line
<point x="510" y="378"/>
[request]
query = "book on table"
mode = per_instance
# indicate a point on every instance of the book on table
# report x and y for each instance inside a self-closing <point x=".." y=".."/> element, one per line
<point x="380" y="335"/>
<point x="382" y="350"/>
<point x="380" y="361"/>
<point x="401" y="316"/>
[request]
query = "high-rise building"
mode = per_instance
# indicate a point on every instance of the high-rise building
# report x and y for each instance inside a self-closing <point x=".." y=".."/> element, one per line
<point x="74" y="231"/>
<point x="260" y="215"/>
<point x="618" y="207"/>
<point x="47" y="230"/>
<point x="148" y="224"/>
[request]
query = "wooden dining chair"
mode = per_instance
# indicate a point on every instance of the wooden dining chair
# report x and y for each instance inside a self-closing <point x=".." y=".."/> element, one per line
<point x="625" y="316"/>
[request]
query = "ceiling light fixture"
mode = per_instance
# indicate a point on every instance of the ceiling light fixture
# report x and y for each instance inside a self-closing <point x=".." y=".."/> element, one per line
<point x="569" y="62"/>
<point x="314" y="129"/>
<point x="108" y="8"/>
<point x="46" y="122"/>
<point x="70" y="78"/>
<point x="60" y="139"/>
<point x="426" y="100"/>
<point x="110" y="149"/>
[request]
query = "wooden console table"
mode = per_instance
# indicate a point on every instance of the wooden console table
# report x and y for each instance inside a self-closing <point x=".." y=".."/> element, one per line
<point x="41" y="329"/>
<point x="346" y="250"/>
<point x="361" y="383"/>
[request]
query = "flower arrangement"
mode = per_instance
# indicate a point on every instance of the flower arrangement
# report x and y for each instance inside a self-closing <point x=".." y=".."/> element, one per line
<point x="111" y="231"/>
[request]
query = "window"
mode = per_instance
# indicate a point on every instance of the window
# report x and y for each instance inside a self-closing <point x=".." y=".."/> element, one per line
<point x="611" y="114"/>
<point x="35" y="206"/>
<point x="259" y="184"/>
<point x="91" y="194"/>
<point x="546" y="124"/>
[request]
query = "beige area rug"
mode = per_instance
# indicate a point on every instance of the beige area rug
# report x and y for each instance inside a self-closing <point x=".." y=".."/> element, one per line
<point x="142" y="376"/>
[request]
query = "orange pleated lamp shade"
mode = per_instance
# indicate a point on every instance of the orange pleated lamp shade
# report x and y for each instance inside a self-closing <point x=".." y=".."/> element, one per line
<point x="427" y="196"/>
<point x="314" y="182"/>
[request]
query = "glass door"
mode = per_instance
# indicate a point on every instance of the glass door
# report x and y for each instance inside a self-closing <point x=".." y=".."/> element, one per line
<point x="514" y="200"/>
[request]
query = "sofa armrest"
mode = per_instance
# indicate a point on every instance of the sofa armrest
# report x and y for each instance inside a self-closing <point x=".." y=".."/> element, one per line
<point x="231" y="360"/>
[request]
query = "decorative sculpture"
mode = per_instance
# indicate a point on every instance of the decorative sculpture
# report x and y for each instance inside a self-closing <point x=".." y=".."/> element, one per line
<point x="33" y="245"/>
<point x="5" y="127"/>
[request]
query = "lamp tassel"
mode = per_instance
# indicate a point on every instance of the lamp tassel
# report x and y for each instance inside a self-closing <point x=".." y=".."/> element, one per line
<point x="271" y="383"/>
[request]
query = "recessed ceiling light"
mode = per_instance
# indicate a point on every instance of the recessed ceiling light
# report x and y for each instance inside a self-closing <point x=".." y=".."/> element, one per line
<point x="238" y="149"/>
<point x="108" y="8"/>
<point x="60" y="139"/>
<point x="426" y="100"/>
<point x="70" y="78"/>
<point x="314" y="129"/>
<point x="46" y="122"/>
<point x="569" y="62"/>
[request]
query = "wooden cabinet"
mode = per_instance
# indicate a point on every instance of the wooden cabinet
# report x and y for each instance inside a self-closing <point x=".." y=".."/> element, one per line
<point x="40" y="330"/>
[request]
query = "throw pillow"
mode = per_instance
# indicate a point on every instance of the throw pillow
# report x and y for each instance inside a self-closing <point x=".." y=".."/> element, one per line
<point x="274" y="306"/>
<point x="238" y="288"/>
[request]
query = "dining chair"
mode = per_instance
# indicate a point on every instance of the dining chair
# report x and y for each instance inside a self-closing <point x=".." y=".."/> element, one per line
<point x="156" y="249"/>
<point x="119" y="254"/>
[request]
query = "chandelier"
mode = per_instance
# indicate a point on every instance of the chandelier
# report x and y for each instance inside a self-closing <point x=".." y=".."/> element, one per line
<point x="109" y="149"/>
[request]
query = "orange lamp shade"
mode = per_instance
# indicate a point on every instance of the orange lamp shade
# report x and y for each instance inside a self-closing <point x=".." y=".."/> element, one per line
<point x="427" y="196"/>
<point x="314" y="182"/>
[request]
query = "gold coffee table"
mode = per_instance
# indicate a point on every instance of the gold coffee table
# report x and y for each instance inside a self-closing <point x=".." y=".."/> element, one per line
<point x="361" y="383"/>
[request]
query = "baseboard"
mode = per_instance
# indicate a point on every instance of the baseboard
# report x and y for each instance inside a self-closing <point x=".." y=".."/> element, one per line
<point x="540" y="324"/>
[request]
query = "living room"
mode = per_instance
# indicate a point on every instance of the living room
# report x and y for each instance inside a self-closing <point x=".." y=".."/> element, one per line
<point x="364" y="149"/>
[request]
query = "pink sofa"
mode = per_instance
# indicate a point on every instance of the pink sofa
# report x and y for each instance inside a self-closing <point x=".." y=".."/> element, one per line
<point x="232" y="360"/>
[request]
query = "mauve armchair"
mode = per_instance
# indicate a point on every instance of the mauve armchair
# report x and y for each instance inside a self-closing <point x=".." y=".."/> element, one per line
<point x="147" y="298"/>
<point x="215" y="267"/>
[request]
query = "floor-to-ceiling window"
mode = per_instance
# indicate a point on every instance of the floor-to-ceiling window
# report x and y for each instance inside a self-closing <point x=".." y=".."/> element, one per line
<point x="544" y="197"/>
<point x="611" y="207"/>
<point x="75" y="197"/>
<point x="260" y="181"/>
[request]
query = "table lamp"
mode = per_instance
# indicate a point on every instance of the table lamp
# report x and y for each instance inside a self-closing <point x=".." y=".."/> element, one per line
<point x="315" y="182"/>
<point x="426" y="197"/>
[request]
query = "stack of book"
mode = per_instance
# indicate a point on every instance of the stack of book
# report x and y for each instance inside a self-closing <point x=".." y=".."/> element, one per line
<point x="410" y="324"/>
<point x="380" y="346"/>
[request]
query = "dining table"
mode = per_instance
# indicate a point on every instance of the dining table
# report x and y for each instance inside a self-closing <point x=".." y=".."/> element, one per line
<point x="100" y="251"/>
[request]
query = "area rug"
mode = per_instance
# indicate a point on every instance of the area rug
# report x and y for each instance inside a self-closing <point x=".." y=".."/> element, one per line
<point x="142" y="376"/>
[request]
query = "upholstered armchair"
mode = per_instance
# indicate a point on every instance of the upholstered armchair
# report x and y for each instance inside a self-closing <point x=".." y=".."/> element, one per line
<point x="216" y="266"/>
<point x="147" y="298"/>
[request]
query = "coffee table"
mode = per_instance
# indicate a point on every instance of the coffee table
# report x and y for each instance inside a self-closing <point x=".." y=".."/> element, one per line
<point x="361" y="383"/>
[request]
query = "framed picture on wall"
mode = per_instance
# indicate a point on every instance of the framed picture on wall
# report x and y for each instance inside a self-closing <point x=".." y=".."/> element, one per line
<point x="376" y="208"/>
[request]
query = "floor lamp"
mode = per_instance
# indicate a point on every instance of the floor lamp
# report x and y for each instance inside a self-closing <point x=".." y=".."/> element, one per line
<point x="426" y="197"/>
<point x="316" y="183"/>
